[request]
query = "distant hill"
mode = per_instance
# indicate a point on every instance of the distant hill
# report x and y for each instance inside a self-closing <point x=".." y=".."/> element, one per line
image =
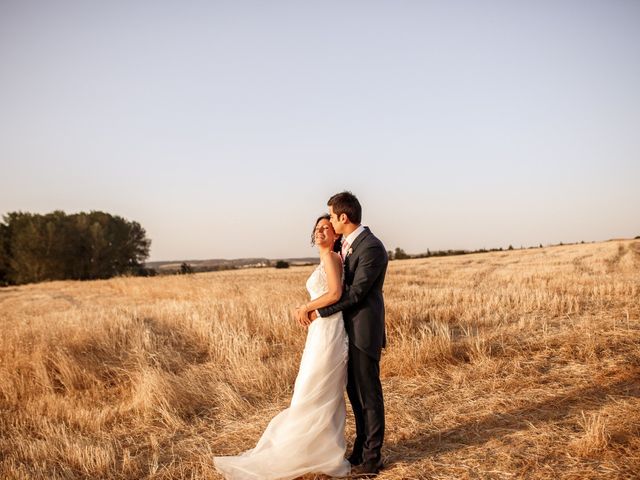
<point x="225" y="264"/>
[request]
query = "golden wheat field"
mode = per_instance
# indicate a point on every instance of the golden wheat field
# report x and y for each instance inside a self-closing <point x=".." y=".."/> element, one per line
<point x="518" y="364"/>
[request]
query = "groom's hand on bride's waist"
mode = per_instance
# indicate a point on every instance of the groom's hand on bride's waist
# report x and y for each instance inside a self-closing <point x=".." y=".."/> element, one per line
<point x="302" y="316"/>
<point x="298" y="315"/>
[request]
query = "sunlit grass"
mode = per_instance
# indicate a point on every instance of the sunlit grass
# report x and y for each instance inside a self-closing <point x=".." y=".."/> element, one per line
<point x="519" y="364"/>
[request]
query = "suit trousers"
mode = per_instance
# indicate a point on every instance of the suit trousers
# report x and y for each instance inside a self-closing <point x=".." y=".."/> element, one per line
<point x="365" y="394"/>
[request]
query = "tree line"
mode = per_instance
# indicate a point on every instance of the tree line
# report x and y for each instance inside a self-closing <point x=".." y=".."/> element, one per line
<point x="81" y="246"/>
<point x="400" y="254"/>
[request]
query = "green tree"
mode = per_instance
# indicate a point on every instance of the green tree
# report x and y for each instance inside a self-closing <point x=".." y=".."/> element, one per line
<point x="4" y="255"/>
<point x="80" y="246"/>
<point x="27" y="247"/>
<point x="400" y="254"/>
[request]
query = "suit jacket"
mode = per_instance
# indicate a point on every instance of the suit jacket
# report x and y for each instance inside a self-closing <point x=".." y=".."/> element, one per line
<point x="362" y="303"/>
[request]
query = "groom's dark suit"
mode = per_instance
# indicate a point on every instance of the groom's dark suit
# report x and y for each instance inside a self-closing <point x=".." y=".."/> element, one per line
<point x="362" y="307"/>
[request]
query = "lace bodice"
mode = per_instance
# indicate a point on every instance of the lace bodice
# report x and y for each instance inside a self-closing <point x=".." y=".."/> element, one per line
<point x="317" y="282"/>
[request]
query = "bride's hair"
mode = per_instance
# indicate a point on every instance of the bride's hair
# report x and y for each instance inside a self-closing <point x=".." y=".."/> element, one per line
<point x="336" y="245"/>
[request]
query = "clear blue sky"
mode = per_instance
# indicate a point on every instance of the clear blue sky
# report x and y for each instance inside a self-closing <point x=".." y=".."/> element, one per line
<point x="223" y="127"/>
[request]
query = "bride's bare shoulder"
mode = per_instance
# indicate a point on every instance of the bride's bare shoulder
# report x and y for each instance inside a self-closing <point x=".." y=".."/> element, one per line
<point x="331" y="260"/>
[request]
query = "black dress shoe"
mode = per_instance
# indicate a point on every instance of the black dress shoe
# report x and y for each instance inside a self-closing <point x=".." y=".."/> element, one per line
<point x="367" y="469"/>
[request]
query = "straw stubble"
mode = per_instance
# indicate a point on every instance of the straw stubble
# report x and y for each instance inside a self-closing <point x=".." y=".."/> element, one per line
<point x="518" y="364"/>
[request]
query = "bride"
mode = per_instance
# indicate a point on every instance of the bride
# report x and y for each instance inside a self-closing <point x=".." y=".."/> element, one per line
<point x="308" y="437"/>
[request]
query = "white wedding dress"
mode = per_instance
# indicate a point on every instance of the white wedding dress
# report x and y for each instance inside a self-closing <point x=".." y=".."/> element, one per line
<point x="307" y="437"/>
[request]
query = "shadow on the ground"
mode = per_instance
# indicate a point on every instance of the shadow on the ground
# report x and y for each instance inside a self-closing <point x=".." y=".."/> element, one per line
<point x="496" y="426"/>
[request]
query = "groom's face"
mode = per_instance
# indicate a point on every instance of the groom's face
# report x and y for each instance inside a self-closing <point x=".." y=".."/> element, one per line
<point x="335" y="221"/>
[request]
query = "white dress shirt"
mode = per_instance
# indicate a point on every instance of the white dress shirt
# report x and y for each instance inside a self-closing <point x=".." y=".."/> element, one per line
<point x="353" y="235"/>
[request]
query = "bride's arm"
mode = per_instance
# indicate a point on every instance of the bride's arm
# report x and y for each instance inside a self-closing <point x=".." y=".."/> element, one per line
<point x="333" y="270"/>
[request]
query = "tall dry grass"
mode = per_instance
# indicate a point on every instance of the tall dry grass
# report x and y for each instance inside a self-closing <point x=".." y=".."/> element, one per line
<point x="522" y="364"/>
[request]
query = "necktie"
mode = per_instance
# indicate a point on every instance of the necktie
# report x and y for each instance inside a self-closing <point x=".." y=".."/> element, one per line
<point x="345" y="249"/>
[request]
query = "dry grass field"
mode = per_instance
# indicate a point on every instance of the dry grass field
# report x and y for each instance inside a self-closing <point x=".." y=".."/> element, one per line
<point x="519" y="364"/>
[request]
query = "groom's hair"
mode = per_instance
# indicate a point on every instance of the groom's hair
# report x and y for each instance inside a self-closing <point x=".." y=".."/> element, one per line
<point x="347" y="203"/>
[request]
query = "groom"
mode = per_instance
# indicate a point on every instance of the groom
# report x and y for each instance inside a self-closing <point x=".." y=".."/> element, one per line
<point x="362" y="305"/>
